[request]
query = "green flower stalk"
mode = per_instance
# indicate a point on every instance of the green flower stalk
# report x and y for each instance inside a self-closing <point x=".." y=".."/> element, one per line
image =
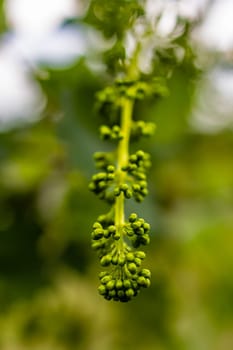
<point x="122" y="176"/>
<point x="122" y="160"/>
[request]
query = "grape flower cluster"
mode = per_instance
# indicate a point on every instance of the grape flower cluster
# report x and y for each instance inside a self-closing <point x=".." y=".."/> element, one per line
<point x="122" y="176"/>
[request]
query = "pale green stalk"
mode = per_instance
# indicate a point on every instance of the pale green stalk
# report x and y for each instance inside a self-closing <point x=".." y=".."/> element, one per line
<point x="122" y="160"/>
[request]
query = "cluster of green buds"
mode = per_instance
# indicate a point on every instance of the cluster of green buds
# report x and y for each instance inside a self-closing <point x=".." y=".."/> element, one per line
<point x="121" y="176"/>
<point x="110" y="133"/>
<point x="141" y="128"/>
<point x="125" y="276"/>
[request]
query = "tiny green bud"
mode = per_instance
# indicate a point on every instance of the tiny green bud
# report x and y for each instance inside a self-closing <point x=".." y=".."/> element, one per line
<point x="114" y="260"/>
<point x="141" y="124"/>
<point x="119" y="284"/>
<point x="120" y="293"/>
<point x="145" y="239"/>
<point x="146" y="227"/>
<point x="140" y="254"/>
<point x="132" y="268"/>
<point x="107" y="234"/>
<point x="139" y="198"/>
<point x="136" y="225"/>
<point x="92" y="186"/>
<point x="121" y="260"/>
<point x="138" y="261"/>
<point x="128" y="193"/>
<point x="129" y="293"/>
<point x="130" y="257"/>
<point x="117" y="191"/>
<point x="124" y="187"/>
<point x="143" y="184"/>
<point x="144" y="191"/>
<point x="102" y="274"/>
<point x="116" y="236"/>
<point x="116" y="129"/>
<point x="98" y="233"/>
<point x="140" y="154"/>
<point x="136" y="187"/>
<point x="97" y="245"/>
<point x="129" y="232"/>
<point x="127" y="284"/>
<point x="105" y="131"/>
<point x="106" y="260"/>
<point x="148" y="283"/>
<point x="132" y="167"/>
<point x="102" y="290"/>
<point x="146" y="273"/>
<point x="110" y="168"/>
<point x="96" y="225"/>
<point x="112" y="229"/>
<point x="110" y="285"/>
<point x="102" y="185"/>
<point x="141" y="281"/>
<point x="133" y="158"/>
<point x="99" y="155"/>
<point x="112" y="293"/>
<point x="140" y="231"/>
<point x="106" y="279"/>
<point x="135" y="285"/>
<point x="133" y="217"/>
<point x="110" y="177"/>
<point x="141" y="176"/>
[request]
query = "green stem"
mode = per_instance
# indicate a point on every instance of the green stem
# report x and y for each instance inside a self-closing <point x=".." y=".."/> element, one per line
<point x="122" y="160"/>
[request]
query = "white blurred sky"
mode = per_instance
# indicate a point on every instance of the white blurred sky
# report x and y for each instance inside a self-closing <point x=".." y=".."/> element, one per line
<point x="35" y="17"/>
<point x="34" y="37"/>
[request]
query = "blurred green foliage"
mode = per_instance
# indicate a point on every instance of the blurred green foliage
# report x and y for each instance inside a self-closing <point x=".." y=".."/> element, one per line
<point x="113" y="17"/>
<point x="3" y="24"/>
<point x="48" y="273"/>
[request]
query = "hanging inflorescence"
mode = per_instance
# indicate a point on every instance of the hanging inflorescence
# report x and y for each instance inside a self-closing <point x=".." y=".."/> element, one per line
<point x="122" y="176"/>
